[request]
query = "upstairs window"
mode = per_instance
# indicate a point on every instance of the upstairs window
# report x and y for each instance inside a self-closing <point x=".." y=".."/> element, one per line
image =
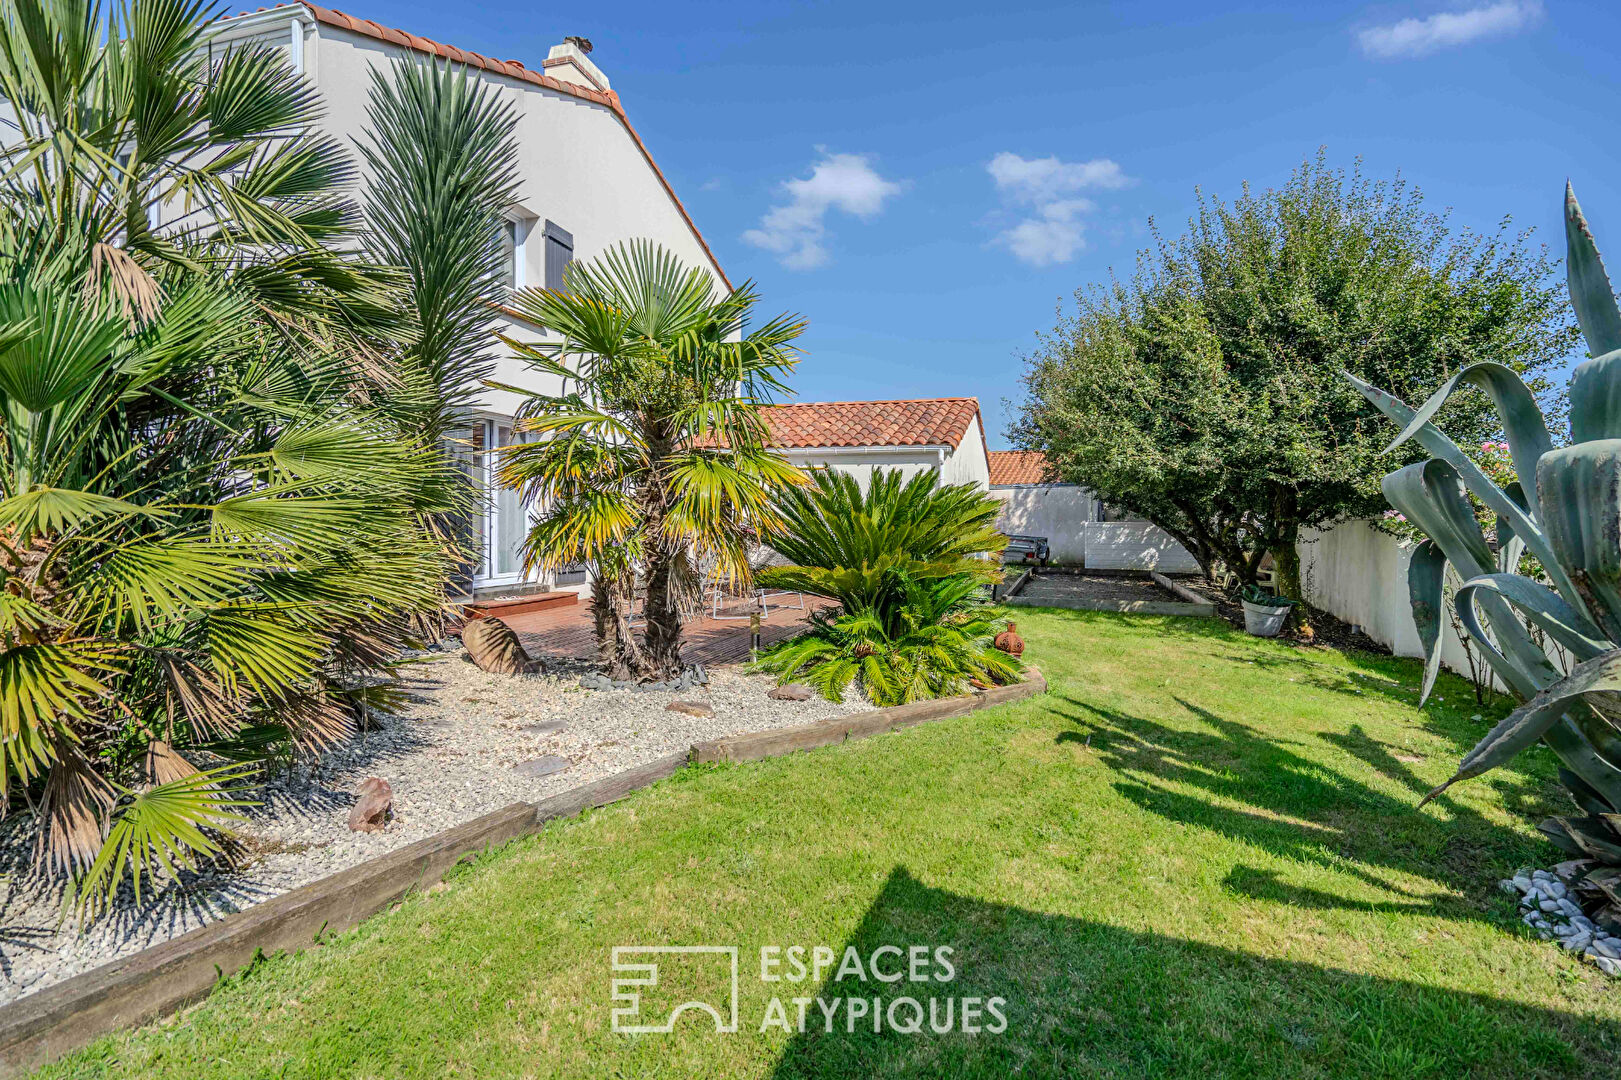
<point x="507" y="237"/>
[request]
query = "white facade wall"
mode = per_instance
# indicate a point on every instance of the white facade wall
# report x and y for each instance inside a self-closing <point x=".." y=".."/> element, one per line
<point x="968" y="464"/>
<point x="1060" y="512"/>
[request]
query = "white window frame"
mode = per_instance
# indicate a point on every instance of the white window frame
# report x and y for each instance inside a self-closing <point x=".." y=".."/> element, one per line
<point x="484" y="575"/>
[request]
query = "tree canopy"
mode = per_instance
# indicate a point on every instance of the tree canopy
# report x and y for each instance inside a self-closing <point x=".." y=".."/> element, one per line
<point x="1205" y="394"/>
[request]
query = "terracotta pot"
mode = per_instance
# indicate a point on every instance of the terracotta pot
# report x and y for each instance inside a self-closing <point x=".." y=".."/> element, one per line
<point x="1009" y="641"/>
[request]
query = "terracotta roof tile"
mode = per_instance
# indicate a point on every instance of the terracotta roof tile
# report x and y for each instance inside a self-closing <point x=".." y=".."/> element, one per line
<point x="924" y="422"/>
<point x="1020" y="467"/>
<point x="512" y="69"/>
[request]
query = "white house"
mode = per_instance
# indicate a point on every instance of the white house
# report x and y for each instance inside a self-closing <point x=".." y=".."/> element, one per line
<point x="858" y="436"/>
<point x="587" y="182"/>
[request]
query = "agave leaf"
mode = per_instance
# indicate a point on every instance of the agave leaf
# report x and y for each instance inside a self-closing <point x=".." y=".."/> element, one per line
<point x="1426" y="574"/>
<point x="1590" y="292"/>
<point x="1583" y="793"/>
<point x="1592" y="836"/>
<point x="1430" y="494"/>
<point x="1579" y="488"/>
<point x="1527" y="433"/>
<point x="1542" y="606"/>
<point x="1432" y="439"/>
<point x="1570" y="742"/>
<point x="1525" y="725"/>
<point x="1509" y="546"/>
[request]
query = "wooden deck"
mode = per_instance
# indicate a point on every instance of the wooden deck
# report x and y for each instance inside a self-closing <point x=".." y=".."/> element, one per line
<point x="566" y="632"/>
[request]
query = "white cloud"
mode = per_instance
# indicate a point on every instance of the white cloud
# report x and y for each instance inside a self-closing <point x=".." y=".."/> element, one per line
<point x="796" y="231"/>
<point x="1411" y="38"/>
<point x="1039" y="180"/>
<point x="1054" y="232"/>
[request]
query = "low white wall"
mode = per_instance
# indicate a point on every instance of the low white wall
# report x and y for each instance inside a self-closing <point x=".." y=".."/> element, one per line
<point x="1060" y="512"/>
<point x="1135" y="545"/>
<point x="1359" y="574"/>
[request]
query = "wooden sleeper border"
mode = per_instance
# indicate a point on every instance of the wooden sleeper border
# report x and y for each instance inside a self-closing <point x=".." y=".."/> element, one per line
<point x="164" y="978"/>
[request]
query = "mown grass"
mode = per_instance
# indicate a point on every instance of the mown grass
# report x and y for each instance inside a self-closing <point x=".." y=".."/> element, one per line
<point x="1197" y="856"/>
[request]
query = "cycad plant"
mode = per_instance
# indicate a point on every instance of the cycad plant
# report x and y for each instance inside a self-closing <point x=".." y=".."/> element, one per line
<point x="906" y="560"/>
<point x="1571" y="526"/>
<point x="653" y="451"/>
<point x="211" y="549"/>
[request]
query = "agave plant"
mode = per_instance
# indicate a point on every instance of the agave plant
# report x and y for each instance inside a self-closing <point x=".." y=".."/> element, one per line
<point x="1571" y="525"/>
<point x="905" y="560"/>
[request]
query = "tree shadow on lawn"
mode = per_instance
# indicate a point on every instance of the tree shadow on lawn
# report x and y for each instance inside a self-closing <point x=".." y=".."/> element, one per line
<point x="1087" y="999"/>
<point x="1301" y="809"/>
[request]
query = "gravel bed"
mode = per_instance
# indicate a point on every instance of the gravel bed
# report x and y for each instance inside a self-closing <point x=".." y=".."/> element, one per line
<point x="458" y="752"/>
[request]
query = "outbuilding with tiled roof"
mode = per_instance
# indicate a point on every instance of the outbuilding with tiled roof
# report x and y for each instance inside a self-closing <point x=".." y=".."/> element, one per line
<point x="911" y="435"/>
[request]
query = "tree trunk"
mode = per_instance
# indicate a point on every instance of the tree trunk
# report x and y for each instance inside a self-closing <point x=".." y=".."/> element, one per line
<point x="661" y="641"/>
<point x="1286" y="559"/>
<point x="617" y="649"/>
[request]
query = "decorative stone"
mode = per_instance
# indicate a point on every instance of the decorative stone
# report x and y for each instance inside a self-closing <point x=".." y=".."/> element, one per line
<point x="1556" y="890"/>
<point x="541" y="766"/>
<point x="691" y="708"/>
<point x="494" y="647"/>
<point x="1522" y="883"/>
<point x="1606" y="946"/>
<point x="1507" y="885"/>
<point x="373" y="803"/>
<point x="1607" y="965"/>
<point x="791" y="692"/>
<point x="1577" y="942"/>
<point x="1549" y="905"/>
<point x="1570" y="908"/>
<point x="1009" y="641"/>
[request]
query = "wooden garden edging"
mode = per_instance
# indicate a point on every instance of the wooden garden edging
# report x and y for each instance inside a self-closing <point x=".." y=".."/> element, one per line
<point x="160" y="980"/>
<point x="764" y="744"/>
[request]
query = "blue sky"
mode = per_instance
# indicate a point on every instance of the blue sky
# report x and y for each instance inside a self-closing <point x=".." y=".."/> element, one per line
<point x="927" y="182"/>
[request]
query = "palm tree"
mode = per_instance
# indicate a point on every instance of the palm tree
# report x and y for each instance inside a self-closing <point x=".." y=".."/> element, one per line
<point x="905" y="560"/>
<point x="653" y="453"/>
<point x="442" y="168"/>
<point x="211" y="546"/>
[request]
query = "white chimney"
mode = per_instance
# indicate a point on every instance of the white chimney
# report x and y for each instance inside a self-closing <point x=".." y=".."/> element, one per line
<point x="570" y="62"/>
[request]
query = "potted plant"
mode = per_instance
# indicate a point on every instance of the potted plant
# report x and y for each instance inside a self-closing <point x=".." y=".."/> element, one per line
<point x="1264" y="612"/>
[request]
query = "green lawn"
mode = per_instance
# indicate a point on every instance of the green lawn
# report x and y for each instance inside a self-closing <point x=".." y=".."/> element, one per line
<point x="1197" y="856"/>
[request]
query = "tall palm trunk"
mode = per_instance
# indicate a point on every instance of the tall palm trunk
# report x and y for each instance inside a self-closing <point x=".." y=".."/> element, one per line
<point x="661" y="641"/>
<point x="617" y="649"/>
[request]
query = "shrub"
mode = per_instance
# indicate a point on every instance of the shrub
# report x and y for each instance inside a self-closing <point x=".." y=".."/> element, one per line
<point x="906" y="561"/>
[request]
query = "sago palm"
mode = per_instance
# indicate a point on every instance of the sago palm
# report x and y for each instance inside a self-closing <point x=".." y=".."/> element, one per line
<point x="906" y="560"/>
<point x="653" y="450"/>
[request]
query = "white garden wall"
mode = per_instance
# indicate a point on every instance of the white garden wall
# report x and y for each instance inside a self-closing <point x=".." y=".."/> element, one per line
<point x="1060" y="512"/>
<point x="1359" y="574"/>
<point x="1135" y="545"/>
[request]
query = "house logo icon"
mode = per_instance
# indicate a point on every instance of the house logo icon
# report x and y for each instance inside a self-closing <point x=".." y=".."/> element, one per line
<point x="638" y="966"/>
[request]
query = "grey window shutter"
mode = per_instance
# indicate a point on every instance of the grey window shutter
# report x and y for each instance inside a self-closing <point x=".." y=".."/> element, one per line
<point x="559" y="253"/>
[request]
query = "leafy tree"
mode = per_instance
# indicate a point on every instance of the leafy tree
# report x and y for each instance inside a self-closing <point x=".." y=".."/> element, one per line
<point x="906" y="560"/>
<point x="211" y="550"/>
<point x="654" y="450"/>
<point x="1206" y="394"/>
